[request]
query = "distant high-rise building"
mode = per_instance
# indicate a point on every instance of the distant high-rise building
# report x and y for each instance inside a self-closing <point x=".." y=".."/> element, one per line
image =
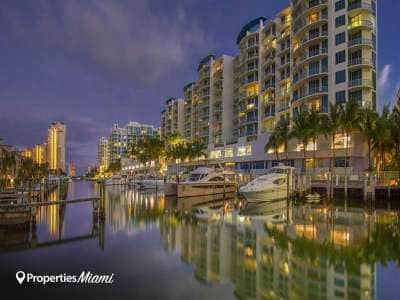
<point x="39" y="154"/>
<point x="112" y="148"/>
<point x="398" y="99"/>
<point x="103" y="153"/>
<point x="27" y="153"/>
<point x="71" y="169"/>
<point x="56" y="143"/>
<point x="172" y="117"/>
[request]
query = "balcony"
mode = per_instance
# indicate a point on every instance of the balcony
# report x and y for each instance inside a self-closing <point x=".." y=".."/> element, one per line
<point x="310" y="92"/>
<point x="304" y="24"/>
<point x="361" y="42"/>
<point x="364" y="5"/>
<point x="360" y="83"/>
<point x="359" y="61"/>
<point x="367" y="24"/>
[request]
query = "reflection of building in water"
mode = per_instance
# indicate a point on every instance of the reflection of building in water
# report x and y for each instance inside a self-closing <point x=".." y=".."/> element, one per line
<point x="52" y="216"/>
<point x="311" y="258"/>
<point x="131" y="211"/>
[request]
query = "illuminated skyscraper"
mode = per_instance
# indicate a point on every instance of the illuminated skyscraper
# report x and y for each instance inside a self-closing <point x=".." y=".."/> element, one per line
<point x="56" y="141"/>
<point x="39" y="154"/>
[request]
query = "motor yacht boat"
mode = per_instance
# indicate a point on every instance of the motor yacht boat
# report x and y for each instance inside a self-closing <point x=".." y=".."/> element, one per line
<point x="272" y="186"/>
<point x="207" y="181"/>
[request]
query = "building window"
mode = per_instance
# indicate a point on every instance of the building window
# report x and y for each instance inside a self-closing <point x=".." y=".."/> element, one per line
<point x="340" y="76"/>
<point x="340" y="5"/>
<point x="216" y="154"/>
<point x="229" y="152"/>
<point x="313" y="68"/>
<point x="341" y="163"/>
<point x="341" y="141"/>
<point x="340" y="57"/>
<point x="244" y="150"/>
<point x="340" y="21"/>
<point x="340" y="97"/>
<point x="340" y="38"/>
<point x="325" y="105"/>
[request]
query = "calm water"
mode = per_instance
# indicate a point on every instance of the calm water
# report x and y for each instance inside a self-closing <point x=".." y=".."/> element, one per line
<point x="156" y="251"/>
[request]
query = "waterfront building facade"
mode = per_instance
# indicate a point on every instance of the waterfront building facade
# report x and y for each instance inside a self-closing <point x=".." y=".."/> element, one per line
<point x="208" y="103"/>
<point x="71" y="169"/>
<point x="172" y="117"/>
<point x="310" y="54"/>
<point x="115" y="146"/>
<point x="103" y="153"/>
<point x="56" y="144"/>
<point x="39" y="153"/>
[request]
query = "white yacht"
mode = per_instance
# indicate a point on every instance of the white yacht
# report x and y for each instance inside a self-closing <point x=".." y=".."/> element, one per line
<point x="207" y="181"/>
<point x="269" y="187"/>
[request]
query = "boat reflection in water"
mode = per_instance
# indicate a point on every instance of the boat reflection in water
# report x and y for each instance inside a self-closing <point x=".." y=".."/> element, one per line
<point x="306" y="253"/>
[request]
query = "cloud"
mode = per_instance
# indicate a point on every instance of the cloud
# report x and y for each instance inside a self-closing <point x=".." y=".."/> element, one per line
<point x="31" y="129"/>
<point x="384" y="80"/>
<point x="135" y="40"/>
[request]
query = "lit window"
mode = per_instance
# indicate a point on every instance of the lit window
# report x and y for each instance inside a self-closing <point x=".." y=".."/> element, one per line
<point x="341" y="141"/>
<point x="310" y="146"/>
<point x="244" y="150"/>
<point x="229" y="152"/>
<point x="216" y="154"/>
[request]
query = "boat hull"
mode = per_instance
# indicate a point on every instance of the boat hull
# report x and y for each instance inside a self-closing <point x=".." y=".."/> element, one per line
<point x="265" y="195"/>
<point x="204" y="189"/>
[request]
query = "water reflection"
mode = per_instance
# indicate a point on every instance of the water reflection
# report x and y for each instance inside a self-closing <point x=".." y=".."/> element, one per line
<point x="321" y="254"/>
<point x="263" y="251"/>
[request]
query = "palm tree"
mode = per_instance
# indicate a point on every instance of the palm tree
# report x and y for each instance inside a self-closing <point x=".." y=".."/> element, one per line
<point x="349" y="123"/>
<point x="301" y="132"/>
<point x="314" y="125"/>
<point x="367" y="127"/>
<point x="329" y="125"/>
<point x="196" y="149"/>
<point x="283" y="135"/>
<point x="273" y="144"/>
<point x="395" y="136"/>
<point x="382" y="138"/>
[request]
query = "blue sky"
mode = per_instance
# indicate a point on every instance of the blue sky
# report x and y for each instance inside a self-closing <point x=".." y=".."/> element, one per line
<point x="94" y="63"/>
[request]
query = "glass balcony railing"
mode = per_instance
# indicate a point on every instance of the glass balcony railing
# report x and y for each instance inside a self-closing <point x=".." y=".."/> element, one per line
<point x="361" y="61"/>
<point x="360" y="82"/>
<point x="361" y="23"/>
<point x="362" y="4"/>
<point x="361" y="41"/>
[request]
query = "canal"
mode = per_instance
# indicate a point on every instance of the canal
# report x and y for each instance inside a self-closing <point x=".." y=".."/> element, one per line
<point x="157" y="249"/>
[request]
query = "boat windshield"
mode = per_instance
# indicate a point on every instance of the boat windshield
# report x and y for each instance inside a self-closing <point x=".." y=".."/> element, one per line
<point x="196" y="177"/>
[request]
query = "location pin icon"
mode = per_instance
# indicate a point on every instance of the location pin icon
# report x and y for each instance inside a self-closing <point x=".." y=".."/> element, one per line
<point x="20" y="275"/>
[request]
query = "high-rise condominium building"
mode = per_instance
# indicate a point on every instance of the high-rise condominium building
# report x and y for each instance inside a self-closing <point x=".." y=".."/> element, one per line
<point x="115" y="146"/>
<point x="39" y="154"/>
<point x="312" y="53"/>
<point x="56" y="143"/>
<point x="103" y="154"/>
<point x="172" y="117"/>
<point x="398" y="99"/>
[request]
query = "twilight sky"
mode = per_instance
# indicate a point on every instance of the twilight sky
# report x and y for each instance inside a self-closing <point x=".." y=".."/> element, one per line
<point x="94" y="63"/>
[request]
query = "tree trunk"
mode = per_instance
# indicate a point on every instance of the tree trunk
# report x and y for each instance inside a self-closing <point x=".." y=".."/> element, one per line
<point x="304" y="158"/>
<point x="314" y="151"/>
